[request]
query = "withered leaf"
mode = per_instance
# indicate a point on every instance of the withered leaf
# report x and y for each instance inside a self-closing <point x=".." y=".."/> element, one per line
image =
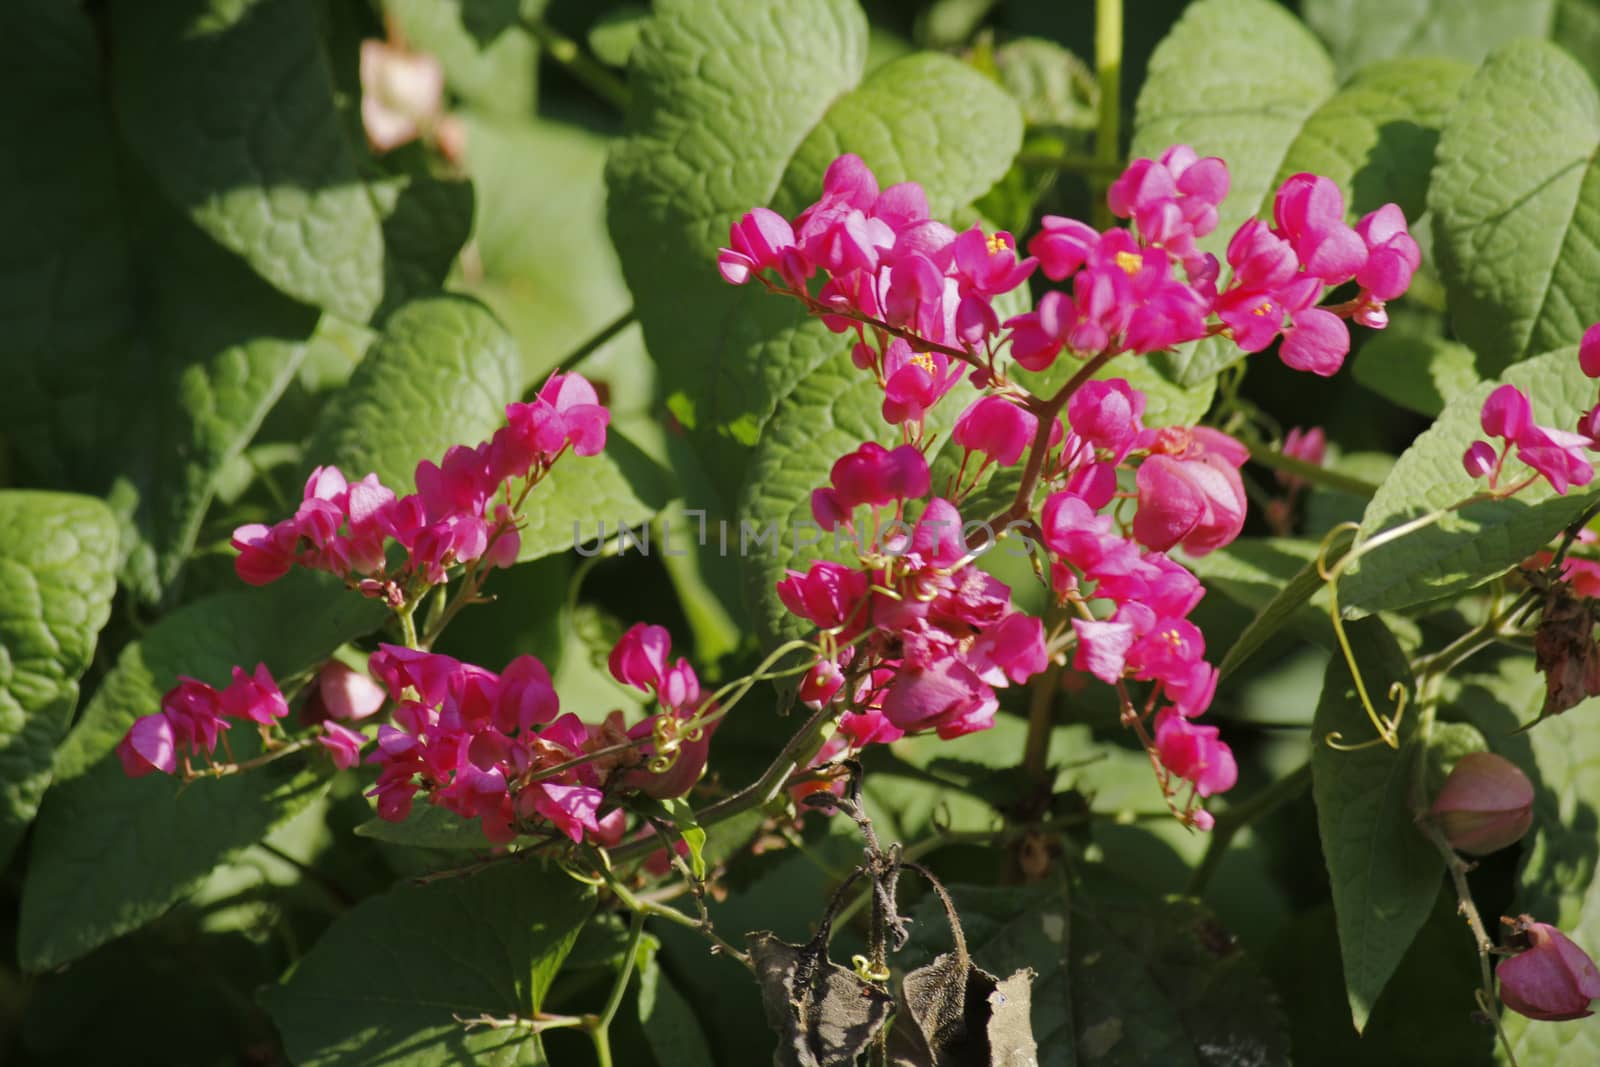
<point x="955" y="1014"/>
<point x="825" y="1015"/>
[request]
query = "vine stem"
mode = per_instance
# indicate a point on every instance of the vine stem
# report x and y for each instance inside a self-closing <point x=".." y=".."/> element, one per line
<point x="1458" y="869"/>
<point x="600" y="1028"/>
<point x="1108" y="72"/>
<point x="582" y="66"/>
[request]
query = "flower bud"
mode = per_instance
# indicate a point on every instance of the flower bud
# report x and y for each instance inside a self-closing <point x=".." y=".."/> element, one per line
<point x="1479" y="459"/>
<point x="1552" y="979"/>
<point x="1485" y="804"/>
<point x="1589" y="351"/>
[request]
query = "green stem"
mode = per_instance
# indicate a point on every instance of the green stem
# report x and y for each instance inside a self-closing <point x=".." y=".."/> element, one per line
<point x="1108" y="69"/>
<point x="1041" y="716"/>
<point x="1237" y="818"/>
<point x="565" y="51"/>
<point x="600" y="1031"/>
<point x="408" y="624"/>
<point x="1094" y="168"/>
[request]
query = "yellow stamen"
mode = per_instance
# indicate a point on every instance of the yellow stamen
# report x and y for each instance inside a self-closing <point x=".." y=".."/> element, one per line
<point x="1130" y="262"/>
<point x="925" y="361"/>
<point x="997" y="244"/>
<point x="1263" y="308"/>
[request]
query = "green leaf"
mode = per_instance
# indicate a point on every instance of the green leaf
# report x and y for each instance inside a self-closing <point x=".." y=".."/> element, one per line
<point x="1556" y="883"/>
<point x="1361" y="31"/>
<point x="713" y="134"/>
<point x="1419" y="373"/>
<point x="229" y="103"/>
<point x="670" y="1025"/>
<point x="386" y="982"/>
<point x="681" y="812"/>
<point x="1245" y="80"/>
<point x="1384" y="872"/>
<point x="614" y="34"/>
<point x="1120" y="980"/>
<point x="544" y="261"/>
<point x="441" y="374"/>
<point x="1516" y="202"/>
<point x="58" y="553"/>
<point x="1469" y="546"/>
<point x="113" y="852"/>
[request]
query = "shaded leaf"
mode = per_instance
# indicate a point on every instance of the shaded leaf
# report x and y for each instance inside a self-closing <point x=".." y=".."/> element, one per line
<point x="114" y="852"/>
<point x="230" y="106"/>
<point x="389" y="978"/>
<point x="1384" y="872"/>
<point x="954" y="1014"/>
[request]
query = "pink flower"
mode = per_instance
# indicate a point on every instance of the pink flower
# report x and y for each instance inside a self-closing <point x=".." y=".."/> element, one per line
<point x="1556" y="454"/>
<point x="402" y="94"/>
<point x="987" y="264"/>
<point x="1485" y="804"/>
<point x="148" y="746"/>
<point x="265" y="552"/>
<point x="639" y="659"/>
<point x="996" y="427"/>
<point x="428" y="673"/>
<point x="1552" y="979"/>
<point x="1197" y="503"/>
<point x="572" y="808"/>
<point x="1102" y="648"/>
<point x="1392" y="253"/>
<point x="762" y="240"/>
<point x="1062" y="245"/>
<point x="1194" y="752"/>
<point x="1107" y="414"/>
<point x="1507" y="412"/>
<point x="254" y="697"/>
<point x="829" y="596"/>
<point x="1480" y="459"/>
<point x="945" y="695"/>
<point x="871" y="475"/>
<point x="1589" y="351"/>
<point x="195" y="711"/>
<point x="342" y="744"/>
<point x="1309" y="211"/>
<point x="1308" y="446"/>
<point x="348" y="695"/>
<point x="1316" y="341"/>
<point x="524" y="697"/>
<point x="914" y="381"/>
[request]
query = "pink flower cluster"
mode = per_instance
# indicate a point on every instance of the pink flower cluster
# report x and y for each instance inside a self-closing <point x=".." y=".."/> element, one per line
<point x="913" y="636"/>
<point x="1557" y="455"/>
<point x="889" y="267"/>
<point x="463" y="510"/>
<point x="192" y="718"/>
<point x="1281" y="272"/>
<point x="921" y="636"/>
<point x="495" y="747"/>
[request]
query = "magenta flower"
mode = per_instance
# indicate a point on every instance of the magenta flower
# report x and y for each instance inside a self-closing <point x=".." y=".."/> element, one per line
<point x="525" y="697"/>
<point x="996" y="427"/>
<point x="1589" y="351"/>
<point x="914" y="381"/>
<point x="572" y="809"/>
<point x="762" y="240"/>
<point x="253" y="697"/>
<point x="1392" y="254"/>
<point x="1062" y="245"/>
<point x="342" y="744"/>
<point x="829" y="596"/>
<point x="148" y="746"/>
<point x="1316" y="341"/>
<point x="1195" y="752"/>
<point x="1102" y="648"/>
<point x="1309" y="211"/>
<point x="1552" y="979"/>
<point x="1108" y="414"/>
<point x="1197" y="503"/>
<point x="639" y="659"/>
<point x="1558" y="455"/>
<point x="1507" y="412"/>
